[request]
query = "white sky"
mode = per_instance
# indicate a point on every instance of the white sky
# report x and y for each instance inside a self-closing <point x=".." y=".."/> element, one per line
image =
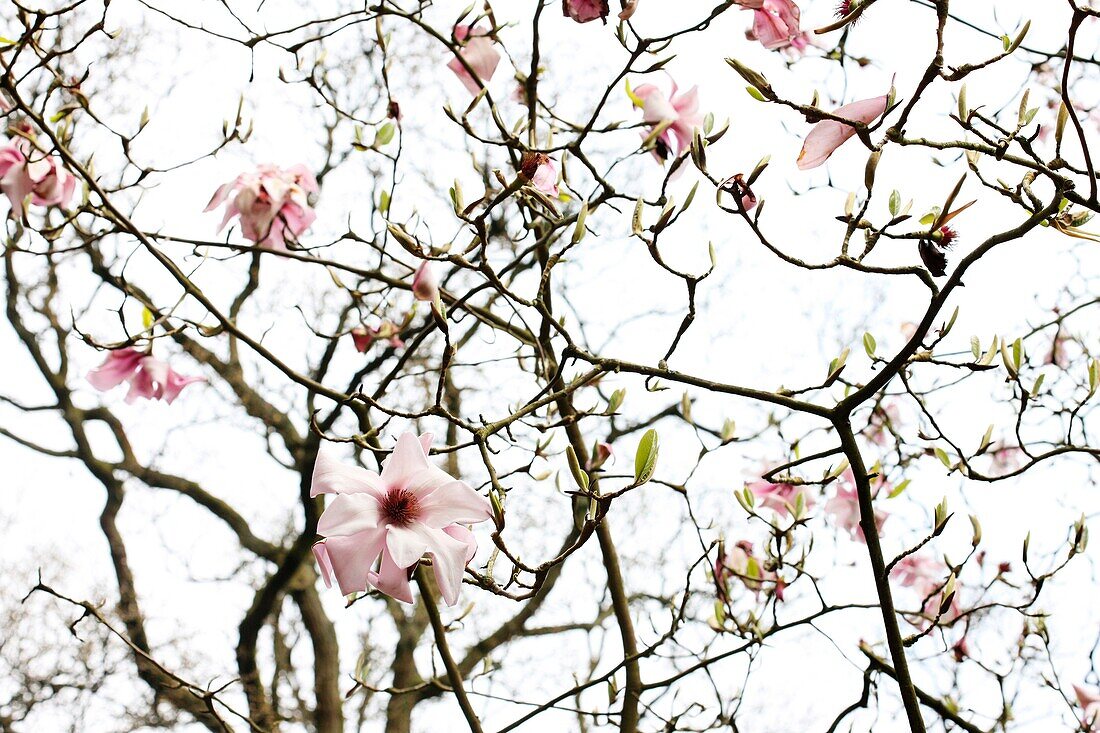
<point x="767" y="324"/>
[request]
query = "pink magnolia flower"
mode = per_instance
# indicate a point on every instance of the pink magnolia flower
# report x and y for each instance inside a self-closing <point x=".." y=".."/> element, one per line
<point x="584" y="11"/>
<point x="546" y="178"/>
<point x="961" y="649"/>
<point x="541" y="171"/>
<point x="1057" y="354"/>
<point x="885" y="416"/>
<point x="413" y="508"/>
<point x="601" y="453"/>
<point x="843" y="507"/>
<point x="741" y="563"/>
<point x="927" y="577"/>
<point x="628" y="9"/>
<point x="149" y="377"/>
<point x="1090" y="703"/>
<point x="780" y="498"/>
<point x="363" y="336"/>
<point x="922" y="573"/>
<point x="828" y="135"/>
<point x="1005" y="458"/>
<point x="425" y="284"/>
<point x="479" y="52"/>
<point x="272" y="203"/>
<point x="737" y="185"/>
<point x="774" y="22"/>
<point x="25" y="171"/>
<point x="799" y="44"/>
<point x="680" y="111"/>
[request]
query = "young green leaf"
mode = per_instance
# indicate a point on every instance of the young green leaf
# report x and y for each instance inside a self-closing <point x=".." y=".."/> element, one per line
<point x="645" y="460"/>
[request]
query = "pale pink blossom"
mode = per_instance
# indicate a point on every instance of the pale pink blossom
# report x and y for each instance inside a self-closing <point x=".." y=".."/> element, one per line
<point x="628" y="8"/>
<point x="679" y="111"/>
<point x="541" y="171"/>
<point x="828" y="135"/>
<point x="740" y="562"/>
<point x="149" y="377"/>
<point x="1057" y="354"/>
<point x="272" y="203"/>
<point x="479" y="52"/>
<point x="884" y="417"/>
<point x="922" y="573"/>
<point x="927" y="578"/>
<point x="26" y="171"/>
<point x="780" y="498"/>
<point x="799" y="44"/>
<point x="425" y="284"/>
<point x="737" y="185"/>
<point x="1005" y="458"/>
<point x="546" y="178"/>
<point x="961" y="649"/>
<point x="1090" y="704"/>
<point x="601" y="454"/>
<point x="584" y="11"/>
<point x="364" y="336"/>
<point x="843" y="507"/>
<point x="774" y="23"/>
<point x="413" y="508"/>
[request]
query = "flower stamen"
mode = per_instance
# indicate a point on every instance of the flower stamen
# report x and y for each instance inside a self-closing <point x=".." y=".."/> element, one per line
<point x="400" y="507"/>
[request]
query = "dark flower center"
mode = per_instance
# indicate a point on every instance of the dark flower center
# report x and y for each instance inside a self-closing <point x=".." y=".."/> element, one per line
<point x="400" y="507"/>
<point x="663" y="151"/>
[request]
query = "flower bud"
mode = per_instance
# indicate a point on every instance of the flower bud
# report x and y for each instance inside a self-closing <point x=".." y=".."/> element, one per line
<point x="600" y="454"/>
<point x="425" y="284"/>
<point x="362" y="337"/>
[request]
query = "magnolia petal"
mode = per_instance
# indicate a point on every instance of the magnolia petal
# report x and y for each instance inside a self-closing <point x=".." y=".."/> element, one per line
<point x="584" y="11"/>
<point x="454" y="501"/>
<point x="391" y="579"/>
<point x="482" y="56"/>
<point x="220" y="195"/>
<point x="352" y="558"/>
<point x="175" y="383"/>
<point x="324" y="563"/>
<point x="330" y="476"/>
<point x="143" y="383"/>
<point x="465" y="536"/>
<point x="406" y="545"/>
<point x="425" y="284"/>
<point x="546" y="178"/>
<point x="828" y="135"/>
<point x="16" y="185"/>
<point x="349" y="514"/>
<point x="115" y="369"/>
<point x="775" y="23"/>
<point x="449" y="558"/>
<point x="407" y="461"/>
<point x="657" y="108"/>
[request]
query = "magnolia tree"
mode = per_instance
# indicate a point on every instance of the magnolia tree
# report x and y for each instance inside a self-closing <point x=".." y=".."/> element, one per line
<point x="434" y="367"/>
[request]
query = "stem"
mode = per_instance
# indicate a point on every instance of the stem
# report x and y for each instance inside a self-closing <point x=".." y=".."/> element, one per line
<point x="454" y="674"/>
<point x="1074" y="25"/>
<point x="882" y="578"/>
<point x="628" y="722"/>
